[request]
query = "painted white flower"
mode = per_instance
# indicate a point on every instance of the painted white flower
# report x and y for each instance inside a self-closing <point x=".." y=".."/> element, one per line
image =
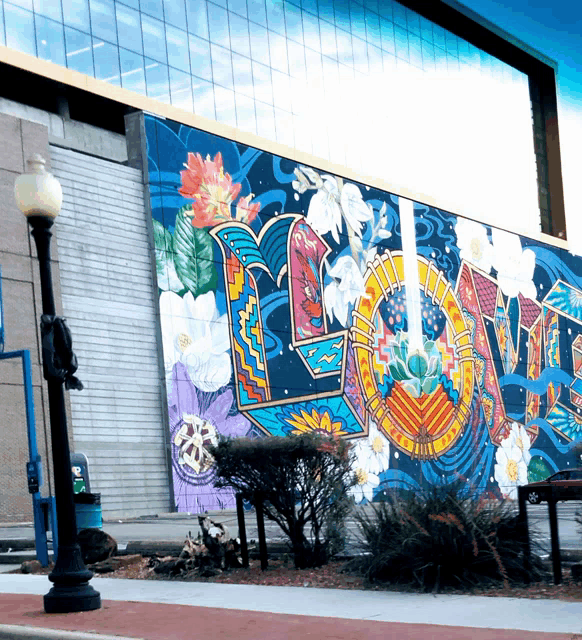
<point x="515" y="266"/>
<point x="355" y="210"/>
<point x="375" y="450"/>
<point x="193" y="333"/>
<point x="474" y="244"/>
<point x="339" y="295"/>
<point x="302" y="183"/>
<point x="519" y="437"/>
<point x="324" y="213"/>
<point x="510" y="468"/>
<point x="366" y="480"/>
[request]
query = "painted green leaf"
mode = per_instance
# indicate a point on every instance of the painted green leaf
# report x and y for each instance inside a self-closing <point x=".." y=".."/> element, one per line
<point x="429" y="385"/>
<point x="165" y="269"/>
<point x="193" y="255"/>
<point x="163" y="244"/>
<point x="538" y="469"/>
<point x="397" y="370"/>
<point x="418" y="365"/>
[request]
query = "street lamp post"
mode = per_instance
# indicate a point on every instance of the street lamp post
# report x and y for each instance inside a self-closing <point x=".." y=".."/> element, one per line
<point x="39" y="196"/>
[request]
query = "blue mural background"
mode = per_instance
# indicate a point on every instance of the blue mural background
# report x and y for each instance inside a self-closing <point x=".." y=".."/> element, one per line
<point x="284" y="309"/>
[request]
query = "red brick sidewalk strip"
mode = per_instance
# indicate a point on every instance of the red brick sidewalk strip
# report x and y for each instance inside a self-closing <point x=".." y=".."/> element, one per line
<point x="150" y="621"/>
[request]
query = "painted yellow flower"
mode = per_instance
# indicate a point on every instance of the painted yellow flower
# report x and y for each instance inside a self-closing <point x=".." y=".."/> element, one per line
<point x="309" y="419"/>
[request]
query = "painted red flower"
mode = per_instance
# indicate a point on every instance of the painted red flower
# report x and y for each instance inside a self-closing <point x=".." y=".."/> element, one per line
<point x="245" y="211"/>
<point x="213" y="192"/>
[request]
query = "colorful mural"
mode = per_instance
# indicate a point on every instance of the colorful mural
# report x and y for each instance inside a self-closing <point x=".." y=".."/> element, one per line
<point x="290" y="302"/>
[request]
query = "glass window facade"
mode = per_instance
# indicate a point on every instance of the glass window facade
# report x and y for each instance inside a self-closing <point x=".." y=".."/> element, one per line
<point x="371" y="84"/>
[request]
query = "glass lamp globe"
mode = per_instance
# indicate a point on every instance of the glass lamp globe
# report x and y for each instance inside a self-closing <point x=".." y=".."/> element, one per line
<point x="37" y="192"/>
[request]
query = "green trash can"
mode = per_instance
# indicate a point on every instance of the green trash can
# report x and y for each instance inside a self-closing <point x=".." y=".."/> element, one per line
<point x="88" y="511"/>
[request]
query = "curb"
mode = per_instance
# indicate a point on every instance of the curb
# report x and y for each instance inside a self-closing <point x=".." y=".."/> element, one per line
<point x="18" y="632"/>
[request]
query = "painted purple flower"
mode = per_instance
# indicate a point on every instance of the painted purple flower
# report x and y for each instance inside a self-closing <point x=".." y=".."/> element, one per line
<point x="197" y="419"/>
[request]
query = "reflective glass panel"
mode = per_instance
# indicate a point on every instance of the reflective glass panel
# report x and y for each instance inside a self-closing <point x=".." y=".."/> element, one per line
<point x="399" y="13"/>
<point x="341" y="9"/>
<point x="257" y="11"/>
<point x="128" y="24"/>
<point x="103" y="20"/>
<point x="401" y="39"/>
<point x="360" y="50"/>
<point x="157" y="81"/>
<point x="373" y="29"/>
<point x="203" y="98"/>
<point x="281" y="90"/>
<point x="344" y="47"/>
<point x="438" y="34"/>
<point x="218" y="25"/>
<point x="238" y="6"/>
<point x="259" y="43"/>
<point x="358" y="20"/>
<point x="200" y="62"/>
<point x="415" y="50"/>
<point x="154" y="38"/>
<point x="413" y="21"/>
<point x="76" y="14"/>
<point x="284" y="127"/>
<point x="19" y="29"/>
<point x="225" y="107"/>
<point x="326" y="10"/>
<point x="262" y="82"/>
<point x="426" y="29"/>
<point x="245" y="113"/>
<point x="293" y="22"/>
<point x="175" y="12"/>
<point x="49" y="9"/>
<point x="328" y="41"/>
<point x="309" y="5"/>
<point x="278" y="49"/>
<point x="197" y="18"/>
<point x="2" y="36"/>
<point x="25" y="4"/>
<point x="296" y="60"/>
<point x="243" y="75"/>
<point x="106" y="57"/>
<point x="132" y="4"/>
<point x="239" y="35"/>
<point x="371" y="5"/>
<point x="50" y="40"/>
<point x="387" y="36"/>
<point x="154" y="8"/>
<point x="132" y="71"/>
<point x="311" y="32"/>
<point x="427" y="56"/>
<point x="276" y="17"/>
<point x="181" y="90"/>
<point x="222" y="66"/>
<point x="79" y="51"/>
<point x="266" y="121"/>
<point x="178" y="54"/>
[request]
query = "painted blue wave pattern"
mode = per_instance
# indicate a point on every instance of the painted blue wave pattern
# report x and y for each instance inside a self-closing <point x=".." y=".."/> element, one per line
<point x="540" y="385"/>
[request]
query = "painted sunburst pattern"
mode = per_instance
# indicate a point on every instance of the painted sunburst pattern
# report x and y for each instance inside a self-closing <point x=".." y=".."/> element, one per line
<point x="311" y="419"/>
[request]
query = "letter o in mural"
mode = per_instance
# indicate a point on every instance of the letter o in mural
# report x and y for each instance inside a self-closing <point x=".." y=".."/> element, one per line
<point x="420" y="398"/>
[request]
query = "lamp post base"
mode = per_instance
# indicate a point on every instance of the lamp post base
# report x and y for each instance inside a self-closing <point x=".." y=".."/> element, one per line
<point x="71" y="591"/>
<point x="72" y="598"/>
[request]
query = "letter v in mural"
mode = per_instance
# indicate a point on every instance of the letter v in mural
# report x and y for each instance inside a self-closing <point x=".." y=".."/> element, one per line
<point x="289" y="305"/>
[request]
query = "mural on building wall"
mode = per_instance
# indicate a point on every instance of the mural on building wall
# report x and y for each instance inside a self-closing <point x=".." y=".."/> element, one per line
<point x="285" y="308"/>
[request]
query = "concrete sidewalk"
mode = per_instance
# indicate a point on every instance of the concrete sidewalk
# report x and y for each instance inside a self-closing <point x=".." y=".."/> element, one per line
<point x="164" y="610"/>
